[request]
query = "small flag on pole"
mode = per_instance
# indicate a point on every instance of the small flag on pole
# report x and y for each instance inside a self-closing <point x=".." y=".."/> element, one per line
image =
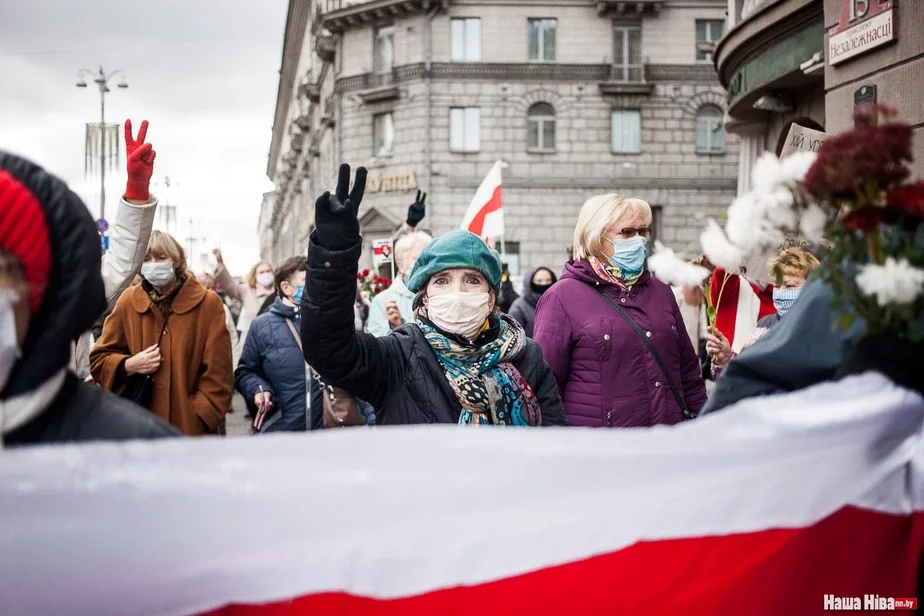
<point x="382" y="252"/>
<point x="485" y="215"/>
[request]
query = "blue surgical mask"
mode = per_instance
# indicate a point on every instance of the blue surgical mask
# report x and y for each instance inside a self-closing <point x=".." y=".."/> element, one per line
<point x="297" y="296"/>
<point x="629" y="256"/>
<point x="783" y="299"/>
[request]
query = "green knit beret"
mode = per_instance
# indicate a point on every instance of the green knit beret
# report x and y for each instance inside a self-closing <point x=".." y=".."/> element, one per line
<point x="459" y="249"/>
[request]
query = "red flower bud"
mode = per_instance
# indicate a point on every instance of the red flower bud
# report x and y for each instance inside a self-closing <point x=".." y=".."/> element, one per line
<point x="909" y="199"/>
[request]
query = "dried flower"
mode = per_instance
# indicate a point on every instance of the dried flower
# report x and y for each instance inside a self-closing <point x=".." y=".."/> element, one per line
<point x="896" y="282"/>
<point x="813" y="222"/>
<point x="909" y="199"/>
<point x="869" y="217"/>
<point x="767" y="173"/>
<point x="718" y="249"/>
<point x="673" y="270"/>
<point x="794" y="167"/>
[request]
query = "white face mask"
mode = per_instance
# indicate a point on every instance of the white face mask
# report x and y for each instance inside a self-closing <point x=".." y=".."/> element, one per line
<point x="265" y="280"/>
<point x="459" y="313"/>
<point x="9" y="347"/>
<point x="158" y="274"/>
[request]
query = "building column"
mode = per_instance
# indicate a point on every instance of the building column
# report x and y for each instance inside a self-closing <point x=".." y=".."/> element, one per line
<point x="752" y="139"/>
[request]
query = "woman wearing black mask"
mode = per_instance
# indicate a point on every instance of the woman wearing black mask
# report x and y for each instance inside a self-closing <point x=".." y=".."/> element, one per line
<point x="524" y="308"/>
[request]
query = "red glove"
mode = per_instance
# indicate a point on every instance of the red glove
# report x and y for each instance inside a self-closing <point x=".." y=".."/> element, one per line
<point x="140" y="163"/>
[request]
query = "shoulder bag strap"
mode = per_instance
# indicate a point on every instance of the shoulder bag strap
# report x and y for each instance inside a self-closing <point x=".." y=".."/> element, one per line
<point x="298" y="339"/>
<point x="651" y="347"/>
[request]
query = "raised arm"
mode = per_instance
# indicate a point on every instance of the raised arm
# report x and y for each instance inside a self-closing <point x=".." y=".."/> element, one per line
<point x="366" y="366"/>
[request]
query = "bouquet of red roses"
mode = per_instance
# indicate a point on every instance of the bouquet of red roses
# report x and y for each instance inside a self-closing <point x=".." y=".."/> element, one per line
<point x="370" y="284"/>
<point x="875" y="224"/>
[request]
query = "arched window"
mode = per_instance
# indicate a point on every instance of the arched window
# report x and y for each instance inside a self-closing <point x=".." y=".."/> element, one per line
<point x="540" y="132"/>
<point x="710" y="130"/>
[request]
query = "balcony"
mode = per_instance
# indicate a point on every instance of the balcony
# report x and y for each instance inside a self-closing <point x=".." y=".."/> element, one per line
<point x="380" y="87"/>
<point x="296" y="141"/>
<point x="325" y="46"/>
<point x="310" y="89"/>
<point x="340" y="15"/>
<point x="626" y="79"/>
<point x="629" y="8"/>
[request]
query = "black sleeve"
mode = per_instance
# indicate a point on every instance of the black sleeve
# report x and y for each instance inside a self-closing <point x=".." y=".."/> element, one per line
<point x="368" y="367"/>
<point x="542" y="380"/>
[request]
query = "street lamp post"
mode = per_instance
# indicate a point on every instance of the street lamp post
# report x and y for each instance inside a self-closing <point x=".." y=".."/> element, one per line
<point x="101" y="79"/>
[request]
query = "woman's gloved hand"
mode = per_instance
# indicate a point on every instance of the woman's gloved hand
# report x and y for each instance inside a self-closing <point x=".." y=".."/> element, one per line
<point x="336" y="218"/>
<point x="140" y="156"/>
<point x="417" y="210"/>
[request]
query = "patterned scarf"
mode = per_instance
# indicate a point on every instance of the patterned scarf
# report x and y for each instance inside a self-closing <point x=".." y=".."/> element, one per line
<point x="489" y="388"/>
<point x="611" y="273"/>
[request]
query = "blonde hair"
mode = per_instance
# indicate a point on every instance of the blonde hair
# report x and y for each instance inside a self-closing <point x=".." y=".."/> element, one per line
<point x="407" y="243"/>
<point x="792" y="261"/>
<point x="164" y="246"/>
<point x="252" y="276"/>
<point x="597" y="215"/>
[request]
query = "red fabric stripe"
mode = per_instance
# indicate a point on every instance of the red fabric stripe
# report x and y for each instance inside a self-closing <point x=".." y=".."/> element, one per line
<point x="493" y="205"/>
<point x="727" y="308"/>
<point x="767" y="573"/>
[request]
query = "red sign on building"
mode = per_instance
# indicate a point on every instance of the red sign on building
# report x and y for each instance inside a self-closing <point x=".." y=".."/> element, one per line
<point x="864" y="26"/>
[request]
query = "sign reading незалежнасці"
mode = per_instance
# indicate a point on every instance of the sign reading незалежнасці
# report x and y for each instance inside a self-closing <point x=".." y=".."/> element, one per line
<point x="864" y="26"/>
<point x="802" y="139"/>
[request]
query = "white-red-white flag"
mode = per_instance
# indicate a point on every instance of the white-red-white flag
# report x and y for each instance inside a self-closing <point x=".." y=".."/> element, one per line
<point x="786" y="504"/>
<point x="382" y="252"/>
<point x="485" y="215"/>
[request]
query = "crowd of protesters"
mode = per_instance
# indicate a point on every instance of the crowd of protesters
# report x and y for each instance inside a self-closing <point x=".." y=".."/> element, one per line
<point x="602" y="344"/>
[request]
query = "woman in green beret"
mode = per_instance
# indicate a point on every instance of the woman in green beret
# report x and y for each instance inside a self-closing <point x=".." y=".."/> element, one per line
<point x="460" y="361"/>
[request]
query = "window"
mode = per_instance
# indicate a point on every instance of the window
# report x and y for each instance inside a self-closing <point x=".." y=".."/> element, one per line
<point x="541" y="127"/>
<point x="627" y="52"/>
<point x="384" y="50"/>
<point x="466" y="39"/>
<point x="383" y="135"/>
<point x="708" y="32"/>
<point x="510" y="252"/>
<point x="465" y="129"/>
<point x="710" y="130"/>
<point x="542" y="39"/>
<point x="626" y="131"/>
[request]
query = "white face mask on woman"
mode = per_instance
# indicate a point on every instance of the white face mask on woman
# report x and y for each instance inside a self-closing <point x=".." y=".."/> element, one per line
<point x="459" y="313"/>
<point x="265" y="280"/>
<point x="158" y="274"/>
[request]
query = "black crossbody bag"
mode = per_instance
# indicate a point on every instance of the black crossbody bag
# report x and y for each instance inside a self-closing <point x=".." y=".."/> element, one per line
<point x="687" y="414"/>
<point x="140" y="387"/>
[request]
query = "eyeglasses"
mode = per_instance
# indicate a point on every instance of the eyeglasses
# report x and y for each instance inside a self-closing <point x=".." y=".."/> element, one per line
<point x="628" y="232"/>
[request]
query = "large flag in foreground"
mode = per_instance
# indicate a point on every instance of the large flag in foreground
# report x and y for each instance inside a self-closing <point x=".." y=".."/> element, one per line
<point x="485" y="215"/>
<point x="772" y="507"/>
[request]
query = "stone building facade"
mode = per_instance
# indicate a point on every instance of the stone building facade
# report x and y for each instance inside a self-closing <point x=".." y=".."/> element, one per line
<point x="784" y="62"/>
<point x="579" y="97"/>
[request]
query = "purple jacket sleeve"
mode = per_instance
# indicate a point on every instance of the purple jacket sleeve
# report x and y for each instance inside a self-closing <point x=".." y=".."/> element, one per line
<point x="553" y="333"/>
<point x="692" y="386"/>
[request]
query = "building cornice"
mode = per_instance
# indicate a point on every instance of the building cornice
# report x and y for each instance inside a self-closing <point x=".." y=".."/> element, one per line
<point x="600" y="73"/>
<point x="607" y="183"/>
<point x="296" y="25"/>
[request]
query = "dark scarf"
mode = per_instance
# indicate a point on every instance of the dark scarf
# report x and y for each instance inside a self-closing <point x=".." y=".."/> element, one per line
<point x="482" y="376"/>
<point x="165" y="300"/>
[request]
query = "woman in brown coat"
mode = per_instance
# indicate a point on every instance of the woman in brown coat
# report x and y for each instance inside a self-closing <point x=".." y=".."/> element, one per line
<point x="190" y="363"/>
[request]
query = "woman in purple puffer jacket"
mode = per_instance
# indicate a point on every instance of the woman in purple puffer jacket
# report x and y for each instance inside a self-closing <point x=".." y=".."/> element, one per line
<point x="606" y="371"/>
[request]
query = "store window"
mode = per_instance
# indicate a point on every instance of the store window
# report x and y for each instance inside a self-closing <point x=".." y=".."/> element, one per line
<point x="540" y="134"/>
<point x="542" y="39"/>
<point x="466" y="39"/>
<point x="383" y="134"/>
<point x="708" y="33"/>
<point x="465" y="129"/>
<point x="710" y="130"/>
<point x="627" y="51"/>
<point x="626" y="127"/>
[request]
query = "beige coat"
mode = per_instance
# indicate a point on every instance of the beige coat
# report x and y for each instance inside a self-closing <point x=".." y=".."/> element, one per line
<point x="250" y="299"/>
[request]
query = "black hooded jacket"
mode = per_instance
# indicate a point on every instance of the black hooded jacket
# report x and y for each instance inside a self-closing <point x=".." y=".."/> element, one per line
<point x="73" y="299"/>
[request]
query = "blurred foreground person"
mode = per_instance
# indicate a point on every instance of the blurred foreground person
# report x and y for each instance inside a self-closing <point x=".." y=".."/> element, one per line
<point x="459" y="362"/>
<point x="51" y="291"/>
<point x="166" y="344"/>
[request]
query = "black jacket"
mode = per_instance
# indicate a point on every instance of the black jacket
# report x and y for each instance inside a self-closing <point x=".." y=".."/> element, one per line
<point x="398" y="374"/>
<point x="73" y="299"/>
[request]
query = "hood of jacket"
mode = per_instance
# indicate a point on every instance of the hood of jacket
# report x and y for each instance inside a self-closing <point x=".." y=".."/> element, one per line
<point x="528" y="294"/>
<point x="74" y="297"/>
<point x="582" y="270"/>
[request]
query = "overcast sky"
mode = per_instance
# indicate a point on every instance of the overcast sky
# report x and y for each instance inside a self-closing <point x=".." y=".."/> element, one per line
<point x="203" y="72"/>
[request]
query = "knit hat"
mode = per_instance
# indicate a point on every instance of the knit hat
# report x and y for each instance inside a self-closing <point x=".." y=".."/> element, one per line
<point x="24" y="235"/>
<point x="459" y="249"/>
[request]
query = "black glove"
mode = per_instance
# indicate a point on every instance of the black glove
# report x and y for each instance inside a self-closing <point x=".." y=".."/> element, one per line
<point x="336" y="216"/>
<point x="417" y="210"/>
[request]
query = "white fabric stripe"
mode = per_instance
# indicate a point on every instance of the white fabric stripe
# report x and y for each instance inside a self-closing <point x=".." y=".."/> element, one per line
<point x="483" y="195"/>
<point x="746" y="315"/>
<point x="184" y="526"/>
